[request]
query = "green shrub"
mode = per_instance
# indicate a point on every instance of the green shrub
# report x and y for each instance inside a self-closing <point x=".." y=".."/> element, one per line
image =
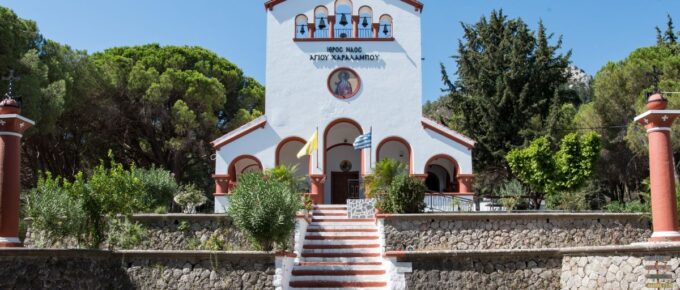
<point x="287" y="175"/>
<point x="383" y="174"/>
<point x="190" y="197"/>
<point x="406" y="194"/>
<point x="511" y="193"/>
<point x="81" y="208"/>
<point x="214" y="243"/>
<point x="573" y="200"/>
<point x="264" y="208"/>
<point x="54" y="211"/>
<point x="159" y="187"/>
<point x="124" y="234"/>
<point x="193" y="243"/>
<point x="183" y="226"/>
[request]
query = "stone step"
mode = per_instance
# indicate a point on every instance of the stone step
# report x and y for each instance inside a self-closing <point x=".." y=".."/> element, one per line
<point x="350" y="272"/>
<point x="338" y="226"/>
<point x="330" y="206"/>
<point x="341" y="254"/>
<point x="329" y="214"/>
<point x="338" y="242"/>
<point x="342" y="230"/>
<point x="340" y="220"/>
<point x="340" y="246"/>
<point x="337" y="267"/>
<point x="338" y="288"/>
<point x="341" y="237"/>
<point x="325" y="264"/>
<point x="342" y="260"/>
<point x="327" y="282"/>
<point x="339" y="251"/>
<point x="341" y="233"/>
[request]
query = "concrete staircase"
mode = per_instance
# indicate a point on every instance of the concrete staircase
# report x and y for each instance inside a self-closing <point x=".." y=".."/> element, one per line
<point x="339" y="253"/>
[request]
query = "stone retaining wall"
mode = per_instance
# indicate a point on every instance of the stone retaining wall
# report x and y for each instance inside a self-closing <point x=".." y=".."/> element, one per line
<point x="84" y="269"/>
<point x="168" y="232"/>
<point x="512" y="231"/>
<point x="483" y="270"/>
<point x="633" y="267"/>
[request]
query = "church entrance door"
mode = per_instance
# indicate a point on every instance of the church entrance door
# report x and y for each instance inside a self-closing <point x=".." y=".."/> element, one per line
<point x="340" y="186"/>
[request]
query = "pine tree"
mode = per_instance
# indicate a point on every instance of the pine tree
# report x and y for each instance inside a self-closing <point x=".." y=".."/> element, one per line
<point x="509" y="77"/>
<point x="670" y="31"/>
<point x="659" y="37"/>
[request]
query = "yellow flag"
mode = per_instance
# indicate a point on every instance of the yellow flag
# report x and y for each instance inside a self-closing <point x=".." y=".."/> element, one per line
<point x="311" y="145"/>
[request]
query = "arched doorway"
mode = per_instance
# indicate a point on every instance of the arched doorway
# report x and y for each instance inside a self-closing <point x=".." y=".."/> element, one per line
<point x="343" y="165"/>
<point x="243" y="164"/>
<point x="286" y="154"/>
<point x="441" y="171"/>
<point x="395" y="148"/>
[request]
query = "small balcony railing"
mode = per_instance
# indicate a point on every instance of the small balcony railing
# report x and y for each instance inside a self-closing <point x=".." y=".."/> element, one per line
<point x="343" y="33"/>
<point x="365" y="33"/>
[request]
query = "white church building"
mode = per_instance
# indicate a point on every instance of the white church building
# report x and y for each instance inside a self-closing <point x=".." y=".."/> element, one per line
<point x="343" y="69"/>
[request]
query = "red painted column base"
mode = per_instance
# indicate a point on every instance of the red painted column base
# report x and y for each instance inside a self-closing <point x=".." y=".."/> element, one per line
<point x="673" y="236"/>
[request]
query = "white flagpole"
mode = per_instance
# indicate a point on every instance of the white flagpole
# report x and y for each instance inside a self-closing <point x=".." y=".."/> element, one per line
<point x="370" y="151"/>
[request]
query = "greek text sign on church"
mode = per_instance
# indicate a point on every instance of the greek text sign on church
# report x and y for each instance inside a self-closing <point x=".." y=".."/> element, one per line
<point x="338" y="71"/>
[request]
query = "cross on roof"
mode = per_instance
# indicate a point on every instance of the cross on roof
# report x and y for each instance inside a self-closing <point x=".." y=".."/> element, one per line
<point x="11" y="77"/>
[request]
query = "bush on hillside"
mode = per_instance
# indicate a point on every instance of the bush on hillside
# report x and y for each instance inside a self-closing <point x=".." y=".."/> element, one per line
<point x="264" y="207"/>
<point x="83" y="207"/>
<point x="159" y="186"/>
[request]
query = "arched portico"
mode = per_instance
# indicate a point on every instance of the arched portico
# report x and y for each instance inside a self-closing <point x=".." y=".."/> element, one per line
<point x="343" y="166"/>
<point x="243" y="164"/>
<point x="442" y="173"/>
<point x="286" y="154"/>
<point x="395" y="148"/>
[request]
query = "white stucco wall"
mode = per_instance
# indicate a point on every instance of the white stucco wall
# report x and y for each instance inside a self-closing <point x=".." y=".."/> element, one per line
<point x="298" y="100"/>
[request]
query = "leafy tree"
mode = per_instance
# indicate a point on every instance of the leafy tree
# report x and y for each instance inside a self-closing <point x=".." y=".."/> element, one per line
<point x="509" y="80"/>
<point x="548" y="172"/>
<point x="620" y="91"/>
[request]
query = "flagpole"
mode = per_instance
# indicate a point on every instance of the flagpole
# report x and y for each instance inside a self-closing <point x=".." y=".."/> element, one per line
<point x="370" y="151"/>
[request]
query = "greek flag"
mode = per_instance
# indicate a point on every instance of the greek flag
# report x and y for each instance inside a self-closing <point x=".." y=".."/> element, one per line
<point x="363" y="141"/>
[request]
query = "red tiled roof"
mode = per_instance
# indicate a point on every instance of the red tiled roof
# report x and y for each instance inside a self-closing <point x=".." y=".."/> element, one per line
<point x="269" y="5"/>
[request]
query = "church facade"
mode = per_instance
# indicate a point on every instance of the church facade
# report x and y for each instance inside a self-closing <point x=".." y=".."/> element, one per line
<point x="342" y="69"/>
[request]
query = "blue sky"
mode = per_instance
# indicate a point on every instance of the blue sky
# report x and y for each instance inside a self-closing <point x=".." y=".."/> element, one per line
<point x="597" y="31"/>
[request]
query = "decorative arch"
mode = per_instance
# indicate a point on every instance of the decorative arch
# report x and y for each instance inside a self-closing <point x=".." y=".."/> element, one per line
<point x="233" y="173"/>
<point x="385" y="26"/>
<point x="451" y="179"/>
<point x="325" y="140"/>
<point x="398" y="140"/>
<point x="302" y="26"/>
<point x="321" y="22"/>
<point x="343" y="25"/>
<point x="285" y="142"/>
<point x="365" y="25"/>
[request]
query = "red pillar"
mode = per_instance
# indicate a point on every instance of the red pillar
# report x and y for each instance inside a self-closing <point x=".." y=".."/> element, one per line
<point x="465" y="183"/>
<point x="317" y="188"/>
<point x="221" y="184"/>
<point x="658" y="121"/>
<point x="12" y="126"/>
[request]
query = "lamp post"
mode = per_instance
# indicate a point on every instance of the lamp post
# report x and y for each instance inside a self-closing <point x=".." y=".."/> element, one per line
<point x="658" y="121"/>
<point x="12" y="126"/>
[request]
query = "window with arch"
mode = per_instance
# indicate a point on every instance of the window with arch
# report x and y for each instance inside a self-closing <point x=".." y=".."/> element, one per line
<point x="386" y="27"/>
<point x="301" y="26"/>
<point x="365" y="22"/>
<point x="344" y="26"/>
<point x="321" y="23"/>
